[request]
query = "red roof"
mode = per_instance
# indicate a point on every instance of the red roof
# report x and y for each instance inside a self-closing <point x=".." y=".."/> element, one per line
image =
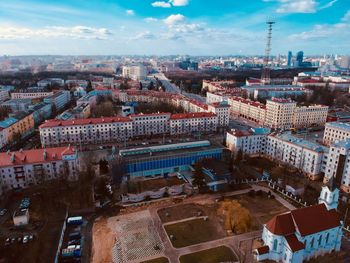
<point x="220" y="105"/>
<point x="34" y="156"/>
<point x="315" y="219"/>
<point x="281" y="225"/>
<point x="192" y="115"/>
<point x="263" y="250"/>
<point x="306" y="221"/>
<point x="149" y="114"/>
<point x="294" y="243"/>
<point x="55" y="123"/>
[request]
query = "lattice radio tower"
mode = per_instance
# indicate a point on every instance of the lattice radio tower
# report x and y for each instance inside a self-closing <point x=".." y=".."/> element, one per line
<point x="265" y="76"/>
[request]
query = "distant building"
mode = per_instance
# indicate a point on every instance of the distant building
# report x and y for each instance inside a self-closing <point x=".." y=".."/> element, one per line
<point x="188" y="65"/>
<point x="16" y="104"/>
<point x="59" y="100"/>
<point x="344" y="62"/>
<point x="289" y="59"/>
<point x="50" y="81"/>
<point x="41" y="112"/>
<point x="299" y="59"/>
<point x="31" y="94"/>
<point x="4" y="95"/>
<point x="136" y="72"/>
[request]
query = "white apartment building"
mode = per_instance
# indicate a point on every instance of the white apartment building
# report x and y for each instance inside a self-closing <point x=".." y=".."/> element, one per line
<point x="85" y="131"/>
<point x="279" y="113"/>
<point x="302" y="154"/>
<point x="314" y="115"/>
<point x="222" y="111"/>
<point x="338" y="164"/>
<point x="4" y="95"/>
<point x="336" y="131"/>
<point x="248" y="109"/>
<point x="249" y="142"/>
<point x="138" y="72"/>
<point x="150" y="124"/>
<point x="23" y="168"/>
<point x="33" y="94"/>
<point x="307" y="156"/>
<point x="183" y="123"/>
<point x="102" y="130"/>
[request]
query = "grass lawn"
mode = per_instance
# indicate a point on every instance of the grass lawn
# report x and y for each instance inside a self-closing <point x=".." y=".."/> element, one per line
<point x="180" y="212"/>
<point x="193" y="232"/>
<point x="213" y="255"/>
<point x="157" y="260"/>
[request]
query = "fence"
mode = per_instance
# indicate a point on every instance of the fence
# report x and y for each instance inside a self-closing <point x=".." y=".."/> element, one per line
<point x="61" y="237"/>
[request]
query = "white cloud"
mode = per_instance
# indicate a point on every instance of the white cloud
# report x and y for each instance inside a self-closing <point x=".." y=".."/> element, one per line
<point x="329" y="4"/>
<point x="150" y="19"/>
<point x="144" y="35"/>
<point x="346" y="17"/>
<point x="76" y="32"/>
<point x="179" y="2"/>
<point x="130" y="12"/>
<point x="335" y="31"/>
<point x="161" y="4"/>
<point x="297" y="6"/>
<point x="174" y="19"/>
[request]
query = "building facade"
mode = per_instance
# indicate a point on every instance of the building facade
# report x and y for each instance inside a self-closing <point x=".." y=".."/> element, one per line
<point x="59" y="100"/>
<point x="336" y="131"/>
<point x="29" y="167"/>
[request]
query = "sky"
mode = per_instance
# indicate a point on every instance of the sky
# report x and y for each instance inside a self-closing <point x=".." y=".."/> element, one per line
<point x="172" y="27"/>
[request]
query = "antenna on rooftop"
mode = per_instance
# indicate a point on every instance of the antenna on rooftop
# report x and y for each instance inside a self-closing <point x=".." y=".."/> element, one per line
<point x="265" y="76"/>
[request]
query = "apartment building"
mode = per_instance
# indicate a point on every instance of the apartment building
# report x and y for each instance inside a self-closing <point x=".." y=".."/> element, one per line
<point x="135" y="72"/>
<point x="150" y="124"/>
<point x="338" y="164"/>
<point x="250" y="142"/>
<point x="4" y="94"/>
<point x="85" y="131"/>
<point x="21" y="123"/>
<point x="31" y="94"/>
<point x="313" y="115"/>
<point x="248" y="109"/>
<point x="279" y="113"/>
<point x="28" y="167"/>
<point x="183" y="123"/>
<point x="102" y="130"/>
<point x="306" y="156"/>
<point x="59" y="99"/>
<point x="302" y="154"/>
<point x="336" y="131"/>
<point x="14" y="105"/>
<point x="222" y="111"/>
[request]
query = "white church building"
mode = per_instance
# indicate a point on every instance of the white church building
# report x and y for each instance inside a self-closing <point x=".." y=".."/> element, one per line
<point x="304" y="233"/>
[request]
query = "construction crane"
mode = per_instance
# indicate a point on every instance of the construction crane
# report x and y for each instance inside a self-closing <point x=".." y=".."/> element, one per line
<point x="265" y="76"/>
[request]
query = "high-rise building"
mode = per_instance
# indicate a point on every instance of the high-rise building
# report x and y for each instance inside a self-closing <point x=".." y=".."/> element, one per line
<point x="344" y="62"/>
<point x="290" y="56"/>
<point x="300" y="58"/>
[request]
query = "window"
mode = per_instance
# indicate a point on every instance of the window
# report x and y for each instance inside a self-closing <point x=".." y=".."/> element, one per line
<point x="275" y="244"/>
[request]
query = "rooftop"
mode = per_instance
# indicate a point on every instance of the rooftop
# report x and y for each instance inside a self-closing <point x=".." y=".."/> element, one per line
<point x="56" y="123"/>
<point x="192" y="115"/>
<point x="339" y="125"/>
<point x="306" y="221"/>
<point x="287" y="137"/>
<point x="34" y="156"/>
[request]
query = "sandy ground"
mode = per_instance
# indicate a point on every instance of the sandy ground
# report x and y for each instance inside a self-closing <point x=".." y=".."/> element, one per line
<point x="102" y="242"/>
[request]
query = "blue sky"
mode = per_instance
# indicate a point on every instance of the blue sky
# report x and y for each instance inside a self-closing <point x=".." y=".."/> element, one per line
<point x="163" y="27"/>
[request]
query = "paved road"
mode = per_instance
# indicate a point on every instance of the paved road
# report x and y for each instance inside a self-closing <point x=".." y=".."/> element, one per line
<point x="233" y="242"/>
<point x="169" y="87"/>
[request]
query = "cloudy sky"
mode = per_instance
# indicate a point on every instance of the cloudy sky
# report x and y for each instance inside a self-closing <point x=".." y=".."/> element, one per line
<point x="195" y="27"/>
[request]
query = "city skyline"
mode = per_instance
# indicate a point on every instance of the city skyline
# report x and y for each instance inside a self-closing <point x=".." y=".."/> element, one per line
<point x="173" y="27"/>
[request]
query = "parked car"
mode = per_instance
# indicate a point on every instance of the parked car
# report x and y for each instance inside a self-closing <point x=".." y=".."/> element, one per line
<point x="3" y="212"/>
<point x="19" y="239"/>
<point x="25" y="239"/>
<point x="7" y="241"/>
